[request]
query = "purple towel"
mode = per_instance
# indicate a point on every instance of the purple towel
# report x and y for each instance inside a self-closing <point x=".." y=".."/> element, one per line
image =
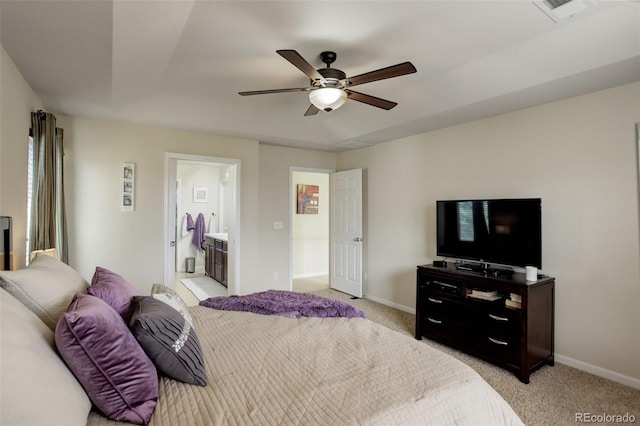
<point x="198" y="233"/>
<point x="285" y="303"/>
<point x="190" y="224"/>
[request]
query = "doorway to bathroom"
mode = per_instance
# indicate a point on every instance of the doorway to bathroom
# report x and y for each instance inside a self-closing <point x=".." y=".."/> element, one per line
<point x="202" y="195"/>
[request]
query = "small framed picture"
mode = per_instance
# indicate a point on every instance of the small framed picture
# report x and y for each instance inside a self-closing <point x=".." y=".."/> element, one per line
<point x="128" y="186"/>
<point x="200" y="195"/>
<point x="308" y="197"/>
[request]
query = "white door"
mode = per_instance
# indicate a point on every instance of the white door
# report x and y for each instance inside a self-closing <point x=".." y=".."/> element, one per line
<point x="345" y="237"/>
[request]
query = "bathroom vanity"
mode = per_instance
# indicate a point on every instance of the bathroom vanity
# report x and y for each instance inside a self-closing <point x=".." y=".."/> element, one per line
<point x="215" y="261"/>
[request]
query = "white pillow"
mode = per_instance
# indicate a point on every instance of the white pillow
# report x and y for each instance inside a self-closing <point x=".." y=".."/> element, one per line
<point x="36" y="388"/>
<point x="46" y="287"/>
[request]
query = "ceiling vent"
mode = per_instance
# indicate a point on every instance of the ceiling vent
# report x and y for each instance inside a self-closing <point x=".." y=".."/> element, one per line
<point x="558" y="10"/>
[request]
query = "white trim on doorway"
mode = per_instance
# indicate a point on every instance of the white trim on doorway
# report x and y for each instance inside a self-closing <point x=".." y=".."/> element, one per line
<point x="234" y="254"/>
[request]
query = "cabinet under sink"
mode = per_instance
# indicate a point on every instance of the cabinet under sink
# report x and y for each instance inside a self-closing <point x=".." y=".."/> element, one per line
<point x="215" y="261"/>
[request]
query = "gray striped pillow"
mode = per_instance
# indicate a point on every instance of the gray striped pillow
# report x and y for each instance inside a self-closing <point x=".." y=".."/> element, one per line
<point x="168" y="340"/>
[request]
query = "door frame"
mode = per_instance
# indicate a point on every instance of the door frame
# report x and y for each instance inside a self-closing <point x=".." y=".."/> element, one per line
<point x="292" y="202"/>
<point x="170" y="225"/>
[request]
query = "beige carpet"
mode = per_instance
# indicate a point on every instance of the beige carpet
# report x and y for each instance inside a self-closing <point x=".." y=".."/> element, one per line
<point x="311" y="284"/>
<point x="554" y="394"/>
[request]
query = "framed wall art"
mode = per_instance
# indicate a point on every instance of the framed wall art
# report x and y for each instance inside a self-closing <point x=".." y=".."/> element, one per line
<point x="308" y="199"/>
<point x="128" y="186"/>
<point x="200" y="195"/>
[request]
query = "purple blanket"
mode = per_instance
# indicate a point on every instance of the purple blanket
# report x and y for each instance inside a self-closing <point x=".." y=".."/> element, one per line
<point x="285" y="303"/>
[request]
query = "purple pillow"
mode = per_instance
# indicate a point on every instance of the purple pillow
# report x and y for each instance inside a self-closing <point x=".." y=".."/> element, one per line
<point x="107" y="360"/>
<point x="114" y="290"/>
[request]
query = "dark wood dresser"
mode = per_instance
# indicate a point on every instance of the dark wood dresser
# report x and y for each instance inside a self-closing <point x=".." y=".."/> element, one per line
<point x="500" y="318"/>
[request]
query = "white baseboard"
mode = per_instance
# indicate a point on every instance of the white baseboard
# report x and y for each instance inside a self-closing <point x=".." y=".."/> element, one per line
<point x="598" y="371"/>
<point x="311" y="275"/>
<point x="391" y="304"/>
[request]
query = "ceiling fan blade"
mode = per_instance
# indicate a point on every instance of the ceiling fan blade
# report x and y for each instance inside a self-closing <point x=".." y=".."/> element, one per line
<point x="312" y="110"/>
<point x="383" y="73"/>
<point x="300" y="63"/>
<point x="264" y="92"/>
<point x="370" y="100"/>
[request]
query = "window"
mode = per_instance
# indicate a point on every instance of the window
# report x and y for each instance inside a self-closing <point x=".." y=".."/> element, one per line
<point x="466" y="223"/>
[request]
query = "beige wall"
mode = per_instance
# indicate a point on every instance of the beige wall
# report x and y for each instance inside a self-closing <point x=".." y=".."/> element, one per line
<point x="275" y="164"/>
<point x="17" y="100"/>
<point x="131" y="243"/>
<point x="579" y="156"/>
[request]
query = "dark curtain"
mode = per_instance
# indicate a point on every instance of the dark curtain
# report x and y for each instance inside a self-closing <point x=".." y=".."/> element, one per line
<point x="48" y="217"/>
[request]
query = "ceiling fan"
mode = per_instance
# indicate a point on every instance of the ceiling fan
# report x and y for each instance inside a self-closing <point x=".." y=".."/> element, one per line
<point x="330" y="88"/>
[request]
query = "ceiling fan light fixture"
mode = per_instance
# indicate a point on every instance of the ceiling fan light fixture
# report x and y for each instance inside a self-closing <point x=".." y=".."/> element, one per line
<point x="327" y="98"/>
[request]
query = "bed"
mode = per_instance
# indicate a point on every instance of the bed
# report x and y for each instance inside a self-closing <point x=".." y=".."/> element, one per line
<point x="260" y="370"/>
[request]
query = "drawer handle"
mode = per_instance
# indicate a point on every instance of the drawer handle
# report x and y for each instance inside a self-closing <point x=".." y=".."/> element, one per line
<point x="432" y="300"/>
<point x="498" y="342"/>
<point x="497" y="318"/>
<point x="434" y="321"/>
<point x="451" y="286"/>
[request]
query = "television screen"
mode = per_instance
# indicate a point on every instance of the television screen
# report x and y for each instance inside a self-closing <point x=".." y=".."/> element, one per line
<point x="506" y="231"/>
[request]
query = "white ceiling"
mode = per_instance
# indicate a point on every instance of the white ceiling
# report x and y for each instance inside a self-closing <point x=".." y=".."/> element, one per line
<point x="181" y="64"/>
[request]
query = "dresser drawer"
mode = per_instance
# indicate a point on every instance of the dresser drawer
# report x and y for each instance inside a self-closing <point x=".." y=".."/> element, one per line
<point x="501" y="322"/>
<point x="443" y="308"/>
<point x="499" y="349"/>
<point x="441" y="330"/>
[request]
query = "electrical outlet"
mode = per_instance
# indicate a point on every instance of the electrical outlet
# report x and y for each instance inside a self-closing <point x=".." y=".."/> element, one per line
<point x="365" y="276"/>
<point x="278" y="225"/>
<point x="276" y="276"/>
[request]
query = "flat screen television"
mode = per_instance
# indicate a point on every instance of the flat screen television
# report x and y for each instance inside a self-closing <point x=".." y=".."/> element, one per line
<point x="504" y="231"/>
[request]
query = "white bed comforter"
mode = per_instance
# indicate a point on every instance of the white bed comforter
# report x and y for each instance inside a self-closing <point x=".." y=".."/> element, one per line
<point x="271" y="370"/>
